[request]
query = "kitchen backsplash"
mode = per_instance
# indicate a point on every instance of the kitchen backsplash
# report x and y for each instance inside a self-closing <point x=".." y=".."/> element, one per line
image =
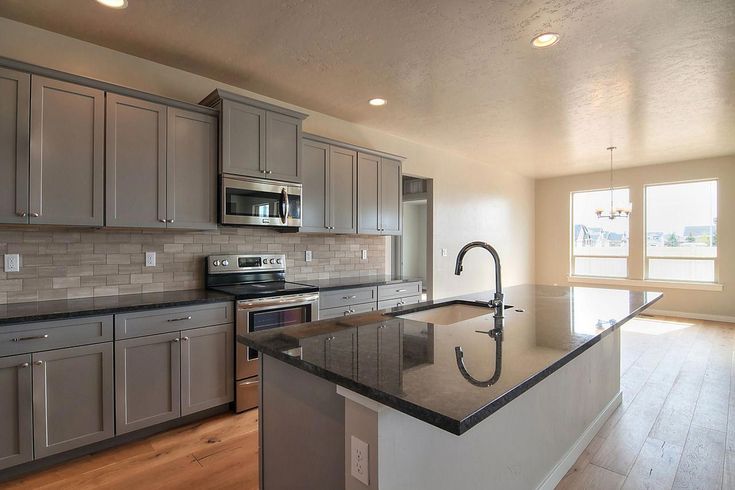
<point x="63" y="263"/>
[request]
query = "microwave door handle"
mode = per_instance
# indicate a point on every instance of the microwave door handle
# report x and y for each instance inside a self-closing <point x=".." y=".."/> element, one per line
<point x="284" y="205"/>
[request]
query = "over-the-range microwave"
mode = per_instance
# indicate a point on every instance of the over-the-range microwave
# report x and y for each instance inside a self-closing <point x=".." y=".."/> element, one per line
<point x="247" y="201"/>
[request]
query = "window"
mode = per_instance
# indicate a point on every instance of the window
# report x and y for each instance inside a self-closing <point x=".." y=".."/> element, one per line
<point x="681" y="231"/>
<point x="599" y="245"/>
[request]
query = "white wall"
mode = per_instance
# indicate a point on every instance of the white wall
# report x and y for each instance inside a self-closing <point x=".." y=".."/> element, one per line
<point x="473" y="200"/>
<point x="414" y="239"/>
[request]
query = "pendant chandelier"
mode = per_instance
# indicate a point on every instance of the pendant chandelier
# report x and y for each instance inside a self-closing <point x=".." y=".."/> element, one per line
<point x="615" y="211"/>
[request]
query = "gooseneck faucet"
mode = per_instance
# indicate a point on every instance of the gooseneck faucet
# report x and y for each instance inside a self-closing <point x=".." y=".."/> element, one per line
<point x="497" y="303"/>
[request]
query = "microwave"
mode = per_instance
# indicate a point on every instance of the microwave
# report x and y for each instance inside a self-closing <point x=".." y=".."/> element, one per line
<point x="259" y="202"/>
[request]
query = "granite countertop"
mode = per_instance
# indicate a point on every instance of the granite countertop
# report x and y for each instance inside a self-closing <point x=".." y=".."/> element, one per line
<point x="410" y="365"/>
<point x="104" y="305"/>
<point x="357" y="281"/>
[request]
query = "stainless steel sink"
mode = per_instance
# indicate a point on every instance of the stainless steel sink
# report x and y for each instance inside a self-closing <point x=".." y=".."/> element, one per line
<point x="450" y="313"/>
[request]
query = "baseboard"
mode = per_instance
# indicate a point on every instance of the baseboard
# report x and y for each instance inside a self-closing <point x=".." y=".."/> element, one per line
<point x="563" y="466"/>
<point x="692" y="316"/>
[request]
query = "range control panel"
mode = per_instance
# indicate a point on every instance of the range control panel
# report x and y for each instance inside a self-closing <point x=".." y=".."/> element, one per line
<point x="242" y="263"/>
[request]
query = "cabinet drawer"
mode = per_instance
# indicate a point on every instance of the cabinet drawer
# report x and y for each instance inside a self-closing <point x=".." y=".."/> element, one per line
<point x="347" y="297"/>
<point x="346" y="310"/>
<point x="152" y="322"/>
<point x="393" y="303"/>
<point x="400" y="290"/>
<point x="36" y="337"/>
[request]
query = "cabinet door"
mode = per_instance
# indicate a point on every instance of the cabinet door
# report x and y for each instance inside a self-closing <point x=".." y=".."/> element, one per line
<point x="283" y="147"/>
<point x="16" y="424"/>
<point x="136" y="163"/>
<point x="72" y="398"/>
<point x="315" y="191"/>
<point x="207" y="370"/>
<point x="343" y="190"/>
<point x="15" y="100"/>
<point x="67" y="153"/>
<point x="243" y="140"/>
<point x="368" y="194"/>
<point x="191" y="170"/>
<point x="147" y="381"/>
<point x="390" y="197"/>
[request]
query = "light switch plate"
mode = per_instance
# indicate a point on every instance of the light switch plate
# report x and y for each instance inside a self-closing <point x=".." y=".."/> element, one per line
<point x="364" y="255"/>
<point x="444" y="252"/>
<point x="12" y="263"/>
<point x="150" y="259"/>
<point x="360" y="467"/>
<point x="307" y="256"/>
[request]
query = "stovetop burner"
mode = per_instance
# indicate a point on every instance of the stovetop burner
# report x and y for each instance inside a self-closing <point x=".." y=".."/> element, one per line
<point x="265" y="289"/>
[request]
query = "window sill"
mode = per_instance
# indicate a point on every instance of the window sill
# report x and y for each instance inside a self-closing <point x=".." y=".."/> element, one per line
<point x="646" y="283"/>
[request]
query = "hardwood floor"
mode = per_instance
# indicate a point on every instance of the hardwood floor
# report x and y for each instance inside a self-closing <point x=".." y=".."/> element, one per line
<point x="674" y="429"/>
<point x="676" y="425"/>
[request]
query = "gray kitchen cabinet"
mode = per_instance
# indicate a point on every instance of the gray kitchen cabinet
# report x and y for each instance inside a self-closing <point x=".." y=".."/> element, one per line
<point x="16" y="423"/>
<point x="191" y="170"/>
<point x="380" y="353"/>
<point x="335" y="351"/>
<point x="66" y="153"/>
<point x="72" y="398"/>
<point x="207" y="370"/>
<point x="147" y="381"/>
<point x="315" y="208"/>
<point x="15" y="99"/>
<point x="379" y="195"/>
<point x="343" y="190"/>
<point x="243" y="139"/>
<point x="283" y="147"/>
<point x="136" y="163"/>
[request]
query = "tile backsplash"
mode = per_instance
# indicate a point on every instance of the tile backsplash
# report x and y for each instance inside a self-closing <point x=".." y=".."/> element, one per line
<point x="66" y="263"/>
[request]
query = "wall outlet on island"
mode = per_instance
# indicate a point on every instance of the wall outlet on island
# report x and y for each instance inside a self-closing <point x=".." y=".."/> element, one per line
<point x="360" y="466"/>
<point x="444" y="252"/>
<point x="12" y="263"/>
<point x="150" y="259"/>
<point x="307" y="256"/>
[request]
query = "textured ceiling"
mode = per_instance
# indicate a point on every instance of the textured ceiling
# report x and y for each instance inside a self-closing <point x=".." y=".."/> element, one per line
<point x="654" y="77"/>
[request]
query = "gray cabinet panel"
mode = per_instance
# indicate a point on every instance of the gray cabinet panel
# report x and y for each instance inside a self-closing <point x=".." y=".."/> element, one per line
<point x="315" y="204"/>
<point x="207" y="370"/>
<point x="135" y="162"/>
<point x="16" y="401"/>
<point x="396" y="302"/>
<point x="342" y="190"/>
<point x="399" y="290"/>
<point x="347" y="310"/>
<point x="390" y="196"/>
<point x="368" y="194"/>
<point x="67" y="153"/>
<point x="243" y="139"/>
<point x="15" y="99"/>
<point x="163" y="320"/>
<point x="283" y="147"/>
<point x="347" y="297"/>
<point x="72" y="398"/>
<point x="55" y="334"/>
<point x="147" y="381"/>
<point x="191" y="170"/>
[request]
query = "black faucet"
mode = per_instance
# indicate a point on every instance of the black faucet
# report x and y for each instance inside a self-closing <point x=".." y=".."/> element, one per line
<point x="497" y="302"/>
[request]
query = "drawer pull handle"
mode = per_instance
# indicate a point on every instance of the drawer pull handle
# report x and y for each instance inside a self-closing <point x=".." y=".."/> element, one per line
<point x="401" y="290"/>
<point x="38" y="363"/>
<point x="34" y="337"/>
<point x="350" y="297"/>
<point x="24" y="365"/>
<point x="182" y="319"/>
<point x="248" y="383"/>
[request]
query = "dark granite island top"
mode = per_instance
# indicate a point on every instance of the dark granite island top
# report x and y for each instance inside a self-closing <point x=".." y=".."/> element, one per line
<point x="104" y="305"/>
<point x="410" y="365"/>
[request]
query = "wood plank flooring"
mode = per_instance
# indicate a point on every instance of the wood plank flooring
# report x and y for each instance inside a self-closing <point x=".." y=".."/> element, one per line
<point x="674" y="429"/>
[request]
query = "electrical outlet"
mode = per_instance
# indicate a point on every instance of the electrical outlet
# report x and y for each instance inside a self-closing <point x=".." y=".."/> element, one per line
<point x="360" y="467"/>
<point x="307" y="256"/>
<point x="364" y="255"/>
<point x="150" y="259"/>
<point x="12" y="263"/>
<point x="444" y="252"/>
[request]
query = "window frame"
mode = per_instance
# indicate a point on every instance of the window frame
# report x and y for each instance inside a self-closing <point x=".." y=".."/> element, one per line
<point x="572" y="271"/>
<point x="646" y="258"/>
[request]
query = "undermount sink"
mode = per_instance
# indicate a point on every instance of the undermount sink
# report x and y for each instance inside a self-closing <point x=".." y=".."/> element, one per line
<point x="449" y="314"/>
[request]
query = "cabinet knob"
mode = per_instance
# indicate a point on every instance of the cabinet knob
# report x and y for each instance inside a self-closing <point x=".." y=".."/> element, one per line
<point x="38" y="363"/>
<point x="185" y="339"/>
<point x="170" y="221"/>
<point x="24" y="365"/>
<point x="268" y="172"/>
<point x="35" y="215"/>
<point x="22" y="214"/>
<point x="163" y="221"/>
<point x="175" y="340"/>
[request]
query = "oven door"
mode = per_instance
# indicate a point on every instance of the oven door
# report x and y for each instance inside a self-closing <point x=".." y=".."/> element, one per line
<point x="260" y="202"/>
<point x="267" y="313"/>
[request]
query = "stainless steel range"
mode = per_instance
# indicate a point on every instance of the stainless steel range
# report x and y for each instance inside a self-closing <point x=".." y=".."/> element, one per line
<point x="264" y="300"/>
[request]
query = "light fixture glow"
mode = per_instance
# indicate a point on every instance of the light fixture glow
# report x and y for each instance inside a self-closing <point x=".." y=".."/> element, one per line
<point x="114" y="4"/>
<point x="545" y="40"/>
<point x="377" y="101"/>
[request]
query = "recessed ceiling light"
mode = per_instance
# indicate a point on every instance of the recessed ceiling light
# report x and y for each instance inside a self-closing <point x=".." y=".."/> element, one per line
<point x="377" y="101"/>
<point x="115" y="4"/>
<point x="545" y="40"/>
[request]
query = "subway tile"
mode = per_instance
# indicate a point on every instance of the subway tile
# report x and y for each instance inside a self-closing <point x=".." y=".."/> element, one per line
<point x="11" y="285"/>
<point x="75" y="293"/>
<point x="105" y="270"/>
<point x="65" y="282"/>
<point x="118" y="279"/>
<point x="141" y="278"/>
<point x="118" y="259"/>
<point x="106" y="290"/>
<point x="51" y="294"/>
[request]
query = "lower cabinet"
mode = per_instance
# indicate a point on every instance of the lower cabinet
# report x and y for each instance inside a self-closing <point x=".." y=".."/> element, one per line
<point x="16" y="402"/>
<point x="207" y="370"/>
<point x="72" y="398"/>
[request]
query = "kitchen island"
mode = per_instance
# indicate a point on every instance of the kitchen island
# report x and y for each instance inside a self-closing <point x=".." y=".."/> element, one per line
<point x="394" y="380"/>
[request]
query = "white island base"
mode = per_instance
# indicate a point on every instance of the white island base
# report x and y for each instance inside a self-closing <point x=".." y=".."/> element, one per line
<point x="307" y="425"/>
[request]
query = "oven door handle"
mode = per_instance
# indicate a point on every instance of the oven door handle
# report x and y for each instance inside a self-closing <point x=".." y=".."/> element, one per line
<point x="278" y="302"/>
<point x="283" y="205"/>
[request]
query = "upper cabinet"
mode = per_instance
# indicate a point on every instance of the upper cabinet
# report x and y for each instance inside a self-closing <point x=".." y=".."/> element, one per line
<point x="258" y="139"/>
<point x="379" y="195"/>
<point x="391" y="189"/>
<point x="15" y="109"/>
<point x="161" y="165"/>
